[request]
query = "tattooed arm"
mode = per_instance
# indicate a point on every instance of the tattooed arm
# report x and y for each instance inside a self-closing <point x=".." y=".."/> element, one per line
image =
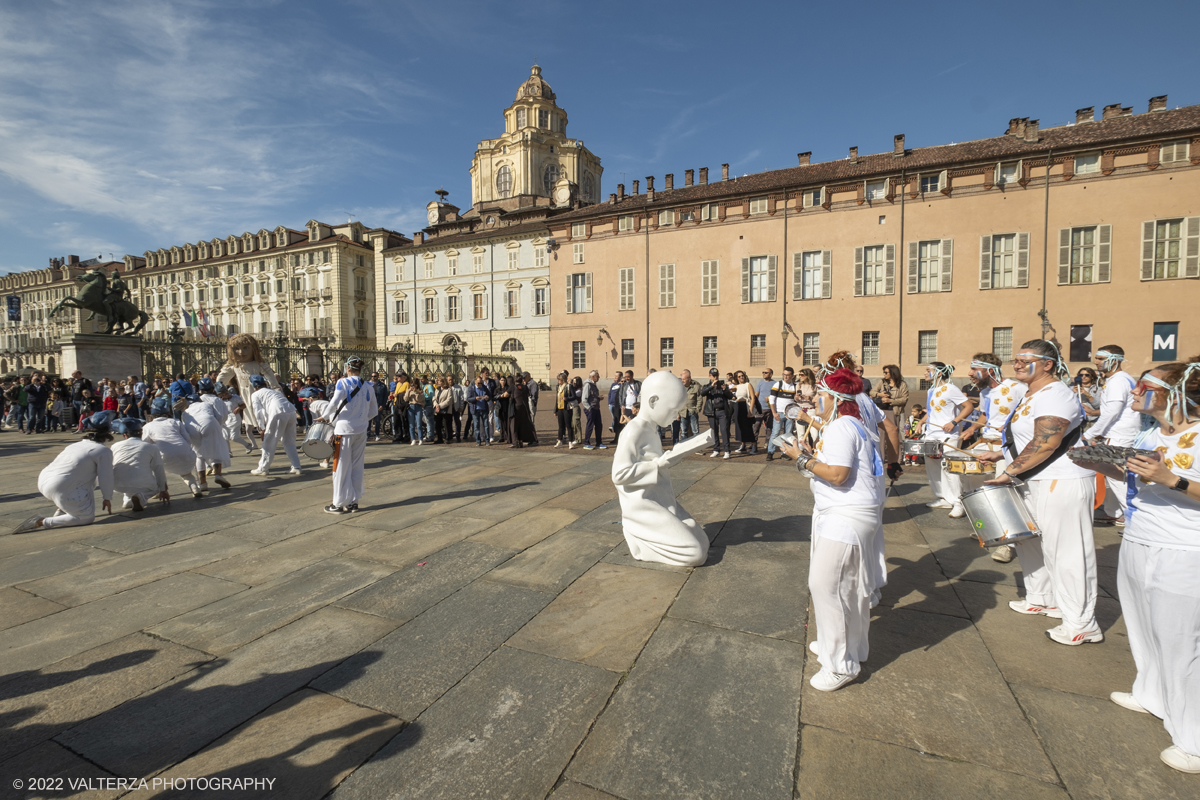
<point x="1048" y="433"/>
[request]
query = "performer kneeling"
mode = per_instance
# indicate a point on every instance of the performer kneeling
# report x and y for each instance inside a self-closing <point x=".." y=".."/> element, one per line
<point x="352" y="409"/>
<point x="70" y="480"/>
<point x="277" y="416"/>
<point x="138" y="469"/>
<point x="173" y="440"/>
<point x="847" y="495"/>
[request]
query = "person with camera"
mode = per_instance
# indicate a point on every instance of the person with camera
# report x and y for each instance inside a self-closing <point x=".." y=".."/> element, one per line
<point x="718" y="407"/>
<point x="1118" y="423"/>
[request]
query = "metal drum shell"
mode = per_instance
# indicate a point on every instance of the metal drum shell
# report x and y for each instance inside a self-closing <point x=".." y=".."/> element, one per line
<point x="998" y="515"/>
<point x="929" y="448"/>
<point x="965" y="465"/>
<point x="318" y="443"/>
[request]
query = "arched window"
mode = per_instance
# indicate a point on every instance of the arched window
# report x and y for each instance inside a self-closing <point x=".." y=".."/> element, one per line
<point x="551" y="176"/>
<point x="522" y="118"/>
<point x="503" y="182"/>
<point x="587" y="186"/>
<point x="50" y="365"/>
<point x="512" y="346"/>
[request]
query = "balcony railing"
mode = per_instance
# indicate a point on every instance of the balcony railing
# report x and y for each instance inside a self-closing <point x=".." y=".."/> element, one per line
<point x="360" y="294"/>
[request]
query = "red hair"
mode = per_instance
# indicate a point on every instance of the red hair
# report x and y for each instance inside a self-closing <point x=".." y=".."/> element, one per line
<point x="846" y="382"/>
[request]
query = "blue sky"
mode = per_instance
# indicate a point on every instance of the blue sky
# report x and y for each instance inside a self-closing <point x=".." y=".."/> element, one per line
<point x="127" y="126"/>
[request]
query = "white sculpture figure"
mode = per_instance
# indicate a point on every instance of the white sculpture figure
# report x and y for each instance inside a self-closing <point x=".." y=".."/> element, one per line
<point x="656" y="527"/>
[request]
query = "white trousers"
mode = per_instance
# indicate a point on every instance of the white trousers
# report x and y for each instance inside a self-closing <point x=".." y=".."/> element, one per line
<point x="277" y="429"/>
<point x="1160" y="600"/>
<point x="945" y="485"/>
<point x="233" y="432"/>
<point x="77" y="502"/>
<point x="1114" y="489"/>
<point x="1060" y="566"/>
<point x="348" y="477"/>
<point x="841" y="606"/>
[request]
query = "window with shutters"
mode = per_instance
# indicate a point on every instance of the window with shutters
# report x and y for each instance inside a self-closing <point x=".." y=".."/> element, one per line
<point x="453" y="308"/>
<point x="522" y="117"/>
<point x="709" y="212"/>
<point x="627" y="352"/>
<point x="710" y="352"/>
<point x="539" y="256"/>
<point x="710" y="294"/>
<point x="579" y="293"/>
<point x="577" y="253"/>
<point x="400" y="270"/>
<point x="625" y="222"/>
<point x="431" y="314"/>
<point x="514" y="259"/>
<point x="428" y="268"/>
<point x="758" y="205"/>
<point x="666" y="352"/>
<point x="477" y="263"/>
<point x="687" y="216"/>
<point x="578" y="230"/>
<point x="541" y="301"/>
<point x="1009" y="173"/>
<point x="870" y="347"/>
<point x="504" y="182"/>
<point x="873" y="270"/>
<point x="1083" y="255"/>
<point x="625" y="288"/>
<point x="1002" y="344"/>
<point x="807" y="276"/>
<point x="1173" y="152"/>
<point x="812" y="198"/>
<point x="1004" y="262"/>
<point x="479" y="305"/>
<point x="543" y="118"/>
<point x="876" y="190"/>
<point x="812" y="350"/>
<point x="578" y="355"/>
<point x="400" y="317"/>
<point x="758" y="350"/>
<point x="927" y="346"/>
<point x="666" y="285"/>
<point x="758" y="279"/>
<point x="1087" y="164"/>
<point x="512" y="303"/>
<point x="1168" y="241"/>
<point x="452" y="266"/>
<point x="930" y="183"/>
<point x="929" y="266"/>
<point x="666" y="217"/>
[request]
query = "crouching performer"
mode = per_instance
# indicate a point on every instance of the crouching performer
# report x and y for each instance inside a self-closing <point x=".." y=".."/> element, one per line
<point x="138" y="469"/>
<point x="70" y="481"/>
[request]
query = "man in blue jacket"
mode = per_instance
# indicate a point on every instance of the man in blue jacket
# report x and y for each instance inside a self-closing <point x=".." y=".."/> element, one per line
<point x="182" y="389"/>
<point x="479" y="396"/>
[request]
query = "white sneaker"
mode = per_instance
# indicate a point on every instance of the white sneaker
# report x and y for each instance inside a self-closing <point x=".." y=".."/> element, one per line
<point x="740" y="449"/>
<point x="420" y="442"/>
<point x="1125" y="700"/>
<point x="293" y="471"/>
<point x="715" y="453"/>
<point x="1176" y="757"/>
<point x="876" y="596"/>
<point x="726" y="456"/>
<point x="570" y="445"/>
<point x="958" y="512"/>
<point x="827" y="681"/>
<point x="1063" y="635"/>
<point x="1004" y="553"/>
<point x="258" y="472"/>
<point x="939" y="504"/>
<point x="812" y="647"/>
<point x="556" y="444"/>
<point x="412" y="443"/>
<point x="1023" y="607"/>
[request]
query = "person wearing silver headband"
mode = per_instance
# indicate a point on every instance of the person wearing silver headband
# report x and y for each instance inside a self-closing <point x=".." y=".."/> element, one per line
<point x="947" y="409"/>
<point x="351" y="408"/>
<point x="1158" y="576"/>
<point x="1118" y="423"/>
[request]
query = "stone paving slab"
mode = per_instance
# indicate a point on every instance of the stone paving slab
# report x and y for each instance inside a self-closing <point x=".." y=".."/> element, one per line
<point x="56" y="763"/>
<point x="405" y="594"/>
<point x="91" y="582"/>
<point x="162" y="528"/>
<point x="886" y="770"/>
<point x="605" y="518"/>
<point x="621" y="556"/>
<point x="604" y="618"/>
<point x="425" y="537"/>
<point x="915" y="581"/>
<point x="223" y="626"/>
<point x="705" y="713"/>
<point x="305" y="744"/>
<point x="506" y="731"/>
<point x="525" y="530"/>
<point x="18" y="607"/>
<point x="289" y="555"/>
<point x="166" y="725"/>
<point x="49" y="639"/>
<point x="569" y="790"/>
<point x="410" y="668"/>
<point x="278" y="527"/>
<point x="586" y="498"/>
<point x="552" y="564"/>
<point x="38" y="704"/>
<point x="39" y="563"/>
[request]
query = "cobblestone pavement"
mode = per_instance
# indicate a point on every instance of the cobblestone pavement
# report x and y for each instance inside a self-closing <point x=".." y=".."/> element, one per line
<point x="479" y="629"/>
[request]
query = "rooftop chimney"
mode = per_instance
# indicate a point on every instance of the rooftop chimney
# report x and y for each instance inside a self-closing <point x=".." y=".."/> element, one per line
<point x="853" y="155"/>
<point x="612" y="199"/>
<point x="1115" y="110"/>
<point x="805" y="158"/>
<point x="1083" y="115"/>
<point x="1016" y="127"/>
<point x="649" y="187"/>
<point x="898" y="144"/>
<point x="418" y="238"/>
<point x="669" y="181"/>
<point x="637" y="187"/>
<point x="703" y="175"/>
<point x="689" y="176"/>
<point x="620" y="191"/>
<point x="1031" y="130"/>
<point x="724" y="172"/>
<point x="72" y="261"/>
<point x="1158" y="103"/>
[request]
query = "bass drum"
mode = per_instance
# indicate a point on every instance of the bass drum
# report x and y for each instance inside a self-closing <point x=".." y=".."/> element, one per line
<point x="318" y="444"/>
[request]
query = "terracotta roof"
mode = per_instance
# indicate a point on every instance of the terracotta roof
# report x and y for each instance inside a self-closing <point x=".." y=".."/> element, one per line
<point x="1157" y="125"/>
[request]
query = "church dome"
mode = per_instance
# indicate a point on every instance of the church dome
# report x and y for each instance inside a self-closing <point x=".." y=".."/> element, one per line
<point x="534" y="86"/>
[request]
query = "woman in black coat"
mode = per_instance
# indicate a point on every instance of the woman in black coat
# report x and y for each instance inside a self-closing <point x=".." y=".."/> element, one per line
<point x="503" y="405"/>
<point x="520" y="423"/>
<point x="718" y="407"/>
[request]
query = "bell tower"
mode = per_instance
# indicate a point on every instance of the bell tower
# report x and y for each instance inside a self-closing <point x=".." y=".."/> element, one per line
<point x="533" y="155"/>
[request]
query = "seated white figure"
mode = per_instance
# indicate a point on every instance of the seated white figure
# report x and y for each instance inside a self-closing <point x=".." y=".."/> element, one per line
<point x="656" y="527"/>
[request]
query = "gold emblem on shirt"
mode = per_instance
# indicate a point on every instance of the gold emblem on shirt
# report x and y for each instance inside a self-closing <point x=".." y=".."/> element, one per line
<point x="1004" y="390"/>
<point x="1003" y="409"/>
<point x="1187" y="440"/>
<point x="1183" y="460"/>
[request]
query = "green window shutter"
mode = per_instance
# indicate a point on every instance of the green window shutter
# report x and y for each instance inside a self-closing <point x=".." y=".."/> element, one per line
<point x="1064" y="256"/>
<point x="826" y="273"/>
<point x="914" y="266"/>
<point x="797" y="276"/>
<point x="1148" y="250"/>
<point x="985" y="262"/>
<point x="1191" y="268"/>
<point x="772" y="264"/>
<point x="858" y="272"/>
<point x="745" y="280"/>
<point x="588" y="291"/>
<point x="1023" y="259"/>
<point x="947" y="265"/>
<point x="570" y="296"/>
<point x="889" y="269"/>
<point x="1104" y="261"/>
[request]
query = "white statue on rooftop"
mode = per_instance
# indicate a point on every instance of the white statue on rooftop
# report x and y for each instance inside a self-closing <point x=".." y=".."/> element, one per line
<point x="656" y="526"/>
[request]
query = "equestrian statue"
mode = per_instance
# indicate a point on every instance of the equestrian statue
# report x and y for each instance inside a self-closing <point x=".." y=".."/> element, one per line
<point x="108" y="297"/>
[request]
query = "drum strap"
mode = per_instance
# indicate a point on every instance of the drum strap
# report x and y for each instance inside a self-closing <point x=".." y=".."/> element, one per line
<point x="1068" y="441"/>
<point x="337" y="451"/>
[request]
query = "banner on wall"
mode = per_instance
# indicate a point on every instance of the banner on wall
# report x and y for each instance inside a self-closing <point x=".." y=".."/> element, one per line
<point x="14" y="308"/>
<point x="1166" y="341"/>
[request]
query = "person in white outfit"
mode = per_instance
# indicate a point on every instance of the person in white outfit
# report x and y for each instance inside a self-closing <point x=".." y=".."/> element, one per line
<point x="174" y="442"/>
<point x="317" y="408"/>
<point x="846" y="470"/>
<point x="138" y="469"/>
<point x="1060" y="565"/>
<point x="1159" y="573"/>
<point x="1118" y="424"/>
<point x="351" y="407"/>
<point x="70" y="482"/>
<point x="207" y="421"/>
<point x="277" y="419"/>
<point x="947" y="408"/>
<point x="233" y="422"/>
<point x="998" y="397"/>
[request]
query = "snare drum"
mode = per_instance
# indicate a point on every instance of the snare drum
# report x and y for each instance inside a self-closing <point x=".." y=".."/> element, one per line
<point x="318" y="444"/>
<point x="960" y="464"/>
<point x="999" y="516"/>
<point x="929" y="448"/>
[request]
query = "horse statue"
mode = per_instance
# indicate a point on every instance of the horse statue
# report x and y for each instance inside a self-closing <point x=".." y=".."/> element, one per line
<point x="122" y="316"/>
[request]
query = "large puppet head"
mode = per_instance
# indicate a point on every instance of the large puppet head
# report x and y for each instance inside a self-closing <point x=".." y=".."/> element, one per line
<point x="243" y="348"/>
<point x="662" y="397"/>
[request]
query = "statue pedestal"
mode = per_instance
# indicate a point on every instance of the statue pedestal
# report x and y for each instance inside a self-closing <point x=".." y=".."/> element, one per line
<point x="97" y="356"/>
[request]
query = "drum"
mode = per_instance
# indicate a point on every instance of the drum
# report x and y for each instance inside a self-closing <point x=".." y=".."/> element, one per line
<point x="318" y="444"/>
<point x="929" y="448"/>
<point x="999" y="516"/>
<point x="960" y="464"/>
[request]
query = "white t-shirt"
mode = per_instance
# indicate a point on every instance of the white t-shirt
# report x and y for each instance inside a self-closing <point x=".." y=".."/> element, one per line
<point x="1159" y="516"/>
<point x="786" y="396"/>
<point x="268" y="403"/>
<point x="997" y="403"/>
<point x="1118" y="421"/>
<point x="352" y="418"/>
<point x="1053" y="400"/>
<point x="944" y="402"/>
<point x="845" y="443"/>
